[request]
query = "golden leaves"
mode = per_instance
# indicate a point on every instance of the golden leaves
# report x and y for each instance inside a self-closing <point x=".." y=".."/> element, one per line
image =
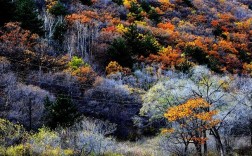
<point x="113" y="67"/>
<point x="193" y="109"/>
<point x="165" y="130"/>
<point x="193" y="118"/>
<point x="83" y="17"/>
<point x="166" y="26"/>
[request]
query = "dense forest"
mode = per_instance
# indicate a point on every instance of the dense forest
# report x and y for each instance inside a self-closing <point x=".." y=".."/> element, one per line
<point x="125" y="77"/>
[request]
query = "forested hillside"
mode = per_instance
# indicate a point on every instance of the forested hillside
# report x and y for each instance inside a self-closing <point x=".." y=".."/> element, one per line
<point x="125" y="77"/>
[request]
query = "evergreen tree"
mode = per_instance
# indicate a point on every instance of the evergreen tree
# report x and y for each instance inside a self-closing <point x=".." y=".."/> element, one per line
<point x="59" y="32"/>
<point x="120" y="52"/>
<point x="133" y="44"/>
<point x="28" y="16"/>
<point x="62" y="112"/>
<point x="217" y="31"/>
<point x="7" y="9"/>
<point x="154" y="16"/>
<point x="58" y="9"/>
<point x="119" y="2"/>
<point x="86" y="2"/>
<point x="140" y="44"/>
<point x="146" y="6"/>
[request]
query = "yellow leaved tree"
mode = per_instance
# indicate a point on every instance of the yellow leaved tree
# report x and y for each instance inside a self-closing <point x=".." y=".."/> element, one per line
<point x="190" y="121"/>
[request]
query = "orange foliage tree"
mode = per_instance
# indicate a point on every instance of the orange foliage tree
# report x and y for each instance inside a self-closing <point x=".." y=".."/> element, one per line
<point x="166" y="5"/>
<point x="15" y="39"/>
<point x="166" y="26"/>
<point x="168" y="57"/>
<point x="191" y="120"/>
<point x="82" y="71"/>
<point x="85" y="75"/>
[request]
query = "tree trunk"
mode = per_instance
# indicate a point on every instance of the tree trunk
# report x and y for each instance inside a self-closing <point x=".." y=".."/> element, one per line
<point x="185" y="150"/>
<point x="250" y="128"/>
<point x="205" y="143"/>
<point x="219" y="144"/>
<point x="30" y="115"/>
<point x="198" y="148"/>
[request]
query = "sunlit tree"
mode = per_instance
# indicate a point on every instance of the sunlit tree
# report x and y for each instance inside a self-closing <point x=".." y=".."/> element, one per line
<point x="190" y="120"/>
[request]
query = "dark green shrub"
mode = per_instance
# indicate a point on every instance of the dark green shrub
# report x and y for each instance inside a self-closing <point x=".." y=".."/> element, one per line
<point x="154" y="16"/>
<point x="188" y="3"/>
<point x="58" y="9"/>
<point x="214" y="64"/>
<point x="28" y="16"/>
<point x="59" y="32"/>
<point x="196" y="54"/>
<point x="148" y="45"/>
<point x="140" y="44"/>
<point x="217" y="31"/>
<point x="118" y="51"/>
<point x="63" y="112"/>
<point x="86" y="2"/>
<point x="146" y="6"/>
<point x="135" y="11"/>
<point x="244" y="56"/>
<point x="119" y="2"/>
<point x="184" y="67"/>
<point x="7" y="9"/>
<point x="133" y="44"/>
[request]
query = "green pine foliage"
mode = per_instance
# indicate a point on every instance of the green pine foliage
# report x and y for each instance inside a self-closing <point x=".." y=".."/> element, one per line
<point x="132" y="45"/>
<point x="28" y="16"/>
<point x="62" y="112"/>
<point x="59" y="32"/>
<point x="119" y="51"/>
<point x="146" y="6"/>
<point x="136" y="10"/>
<point x="7" y="9"/>
<point x="86" y="2"/>
<point x="58" y="9"/>
<point x="154" y="16"/>
<point x="140" y="44"/>
<point x="197" y="54"/>
<point x="217" y="31"/>
<point x="119" y="2"/>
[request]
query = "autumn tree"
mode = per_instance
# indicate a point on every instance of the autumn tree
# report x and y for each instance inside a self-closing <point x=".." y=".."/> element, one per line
<point x="169" y="58"/>
<point x="190" y="121"/>
<point x="76" y="62"/>
<point x="199" y="82"/>
<point x="82" y="71"/>
<point x="113" y="67"/>
<point x="14" y="39"/>
<point x="82" y="31"/>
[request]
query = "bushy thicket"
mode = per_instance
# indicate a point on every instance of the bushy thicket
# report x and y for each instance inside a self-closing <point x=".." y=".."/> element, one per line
<point x="53" y="56"/>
